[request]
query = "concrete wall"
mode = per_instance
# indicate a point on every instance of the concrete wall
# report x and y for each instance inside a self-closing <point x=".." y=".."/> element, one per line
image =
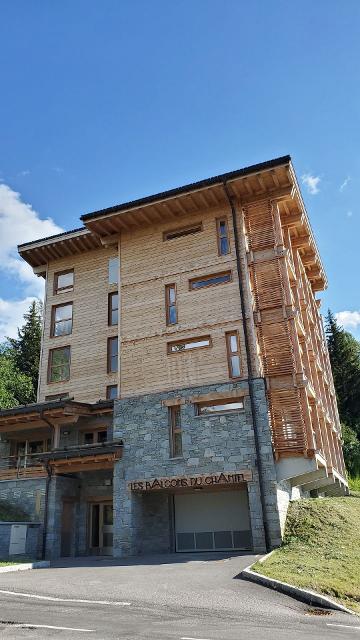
<point x="33" y="540"/>
<point x="211" y="444"/>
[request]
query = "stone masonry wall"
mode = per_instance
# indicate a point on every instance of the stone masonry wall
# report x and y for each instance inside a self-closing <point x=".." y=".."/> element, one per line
<point x="33" y="541"/>
<point x="211" y="444"/>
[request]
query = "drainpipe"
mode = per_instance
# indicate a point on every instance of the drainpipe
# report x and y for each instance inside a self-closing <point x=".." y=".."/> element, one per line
<point x="249" y="368"/>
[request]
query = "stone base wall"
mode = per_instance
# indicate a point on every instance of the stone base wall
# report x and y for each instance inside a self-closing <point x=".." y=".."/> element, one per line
<point x="33" y="541"/>
<point x="26" y="494"/>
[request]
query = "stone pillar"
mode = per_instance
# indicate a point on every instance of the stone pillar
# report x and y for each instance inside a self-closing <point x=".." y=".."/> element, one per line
<point x="127" y="517"/>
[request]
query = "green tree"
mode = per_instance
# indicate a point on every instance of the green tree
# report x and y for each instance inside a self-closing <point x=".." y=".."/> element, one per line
<point x="15" y="387"/>
<point x="351" y="448"/>
<point x="25" y="349"/>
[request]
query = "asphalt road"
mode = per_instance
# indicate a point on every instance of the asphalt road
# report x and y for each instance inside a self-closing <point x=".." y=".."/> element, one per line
<point x="192" y="597"/>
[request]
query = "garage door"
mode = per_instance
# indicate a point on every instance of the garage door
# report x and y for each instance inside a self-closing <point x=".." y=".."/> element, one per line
<point x="212" y="521"/>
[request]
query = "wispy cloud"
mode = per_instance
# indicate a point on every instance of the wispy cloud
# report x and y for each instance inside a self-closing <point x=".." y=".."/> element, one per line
<point x="19" y="223"/>
<point x="344" y="184"/>
<point x="348" y="319"/>
<point x="311" y="182"/>
<point x="58" y="170"/>
<point x="12" y="316"/>
<point x="25" y="172"/>
<point x="349" y="214"/>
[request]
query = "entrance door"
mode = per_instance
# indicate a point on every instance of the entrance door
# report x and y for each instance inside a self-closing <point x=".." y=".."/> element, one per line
<point x="212" y="521"/>
<point x="67" y="528"/>
<point x="101" y="528"/>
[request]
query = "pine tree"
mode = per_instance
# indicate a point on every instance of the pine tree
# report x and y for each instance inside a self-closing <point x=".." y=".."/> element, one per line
<point x="25" y="349"/>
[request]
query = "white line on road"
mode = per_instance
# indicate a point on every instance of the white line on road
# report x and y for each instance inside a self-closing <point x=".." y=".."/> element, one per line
<point x="347" y="626"/>
<point x="53" y="599"/>
<point x="186" y="638"/>
<point x="30" y="625"/>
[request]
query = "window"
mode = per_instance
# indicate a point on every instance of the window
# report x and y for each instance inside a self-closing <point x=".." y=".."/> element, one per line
<point x="112" y="355"/>
<point x="113" y="270"/>
<point x="175" y="431"/>
<point x="56" y="396"/>
<point x="59" y="364"/>
<point x="170" y="303"/>
<point x="61" y="320"/>
<point x="95" y="437"/>
<point x="113" y="309"/>
<point x="179" y="233"/>
<point x="64" y="281"/>
<point x="190" y="343"/>
<point x="222" y="236"/>
<point x="233" y="354"/>
<point x="209" y="281"/>
<point x="219" y="406"/>
<point x="111" y="392"/>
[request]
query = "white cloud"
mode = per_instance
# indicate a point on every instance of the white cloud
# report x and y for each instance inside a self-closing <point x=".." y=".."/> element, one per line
<point x="25" y="172"/>
<point x="19" y="223"/>
<point x="311" y="182"/>
<point x="11" y="316"/>
<point x="345" y="183"/>
<point x="348" y="319"/>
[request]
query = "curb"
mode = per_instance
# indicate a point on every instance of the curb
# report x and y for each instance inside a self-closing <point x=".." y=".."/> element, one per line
<point x="42" y="564"/>
<point x="304" y="595"/>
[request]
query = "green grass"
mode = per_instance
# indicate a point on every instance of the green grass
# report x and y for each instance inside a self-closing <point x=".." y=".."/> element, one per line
<point x="9" y="513"/>
<point x="354" y="484"/>
<point x="320" y="549"/>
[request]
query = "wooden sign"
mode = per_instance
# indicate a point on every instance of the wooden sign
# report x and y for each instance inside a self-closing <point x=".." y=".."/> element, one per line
<point x="191" y="482"/>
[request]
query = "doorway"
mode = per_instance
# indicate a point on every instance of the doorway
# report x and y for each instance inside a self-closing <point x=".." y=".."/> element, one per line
<point x="101" y="528"/>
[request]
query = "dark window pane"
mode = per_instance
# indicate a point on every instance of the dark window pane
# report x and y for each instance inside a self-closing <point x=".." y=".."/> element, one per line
<point x="108" y="514"/>
<point x="114" y="317"/>
<point x="224" y="246"/>
<point x="112" y="392"/>
<point x="64" y="312"/>
<point x="207" y="282"/>
<point x="177" y="444"/>
<point x="102" y="436"/>
<point x="172" y="315"/>
<point x="171" y="295"/>
<point x="222" y="228"/>
<point x="63" y="328"/>
<point x="95" y="520"/>
<point x="88" y="438"/>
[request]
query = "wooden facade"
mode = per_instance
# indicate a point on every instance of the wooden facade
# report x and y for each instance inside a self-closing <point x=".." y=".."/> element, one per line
<point x="280" y="274"/>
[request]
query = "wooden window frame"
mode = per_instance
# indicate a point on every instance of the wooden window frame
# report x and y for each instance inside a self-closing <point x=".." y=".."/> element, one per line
<point x="109" y="357"/>
<point x="208" y="277"/>
<point x="189" y="340"/>
<point x="230" y="353"/>
<point x="53" y="321"/>
<point x="169" y="305"/>
<point x="51" y="351"/>
<point x="56" y="289"/>
<point x="220" y="402"/>
<point x="218" y="222"/>
<point x="84" y="431"/>
<point x="110" y="309"/>
<point x="174" y="429"/>
<point x="111" y="386"/>
<point x="182" y="232"/>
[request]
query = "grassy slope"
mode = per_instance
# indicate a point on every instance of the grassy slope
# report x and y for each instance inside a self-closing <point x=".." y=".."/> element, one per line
<point x="321" y="549"/>
<point x="11" y="514"/>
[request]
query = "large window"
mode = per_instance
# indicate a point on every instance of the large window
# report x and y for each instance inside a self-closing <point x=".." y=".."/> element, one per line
<point x="222" y="236"/>
<point x="113" y="309"/>
<point x="185" y="231"/>
<point x="210" y="281"/>
<point x="113" y="270"/>
<point x="175" y="431"/>
<point x="233" y="354"/>
<point x="112" y="355"/>
<point x="219" y="406"/>
<point x="170" y="303"/>
<point x="59" y="364"/>
<point x="64" y="281"/>
<point x="189" y="344"/>
<point x="61" y="320"/>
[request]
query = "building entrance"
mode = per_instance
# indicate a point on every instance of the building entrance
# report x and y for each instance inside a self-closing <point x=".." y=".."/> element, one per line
<point x="101" y="528"/>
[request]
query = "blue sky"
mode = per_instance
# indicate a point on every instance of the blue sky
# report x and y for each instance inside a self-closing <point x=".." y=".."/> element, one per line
<point x="108" y="101"/>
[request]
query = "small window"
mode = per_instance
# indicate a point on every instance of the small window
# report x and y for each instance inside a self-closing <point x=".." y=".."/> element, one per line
<point x="95" y="437"/>
<point x="209" y="281"/>
<point x="113" y="270"/>
<point x="61" y="324"/>
<point x="179" y="233"/>
<point x="113" y="309"/>
<point x="222" y="236"/>
<point x="190" y="343"/>
<point x="233" y="354"/>
<point x="111" y="392"/>
<point x="59" y="364"/>
<point x="64" y="281"/>
<point x="112" y="355"/>
<point x="219" y="406"/>
<point x="175" y="431"/>
<point x="170" y="303"/>
<point x="56" y="396"/>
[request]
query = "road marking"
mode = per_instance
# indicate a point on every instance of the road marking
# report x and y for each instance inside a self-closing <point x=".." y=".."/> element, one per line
<point x="347" y="626"/>
<point x="30" y="625"/>
<point x="54" y="599"/>
<point x="186" y="638"/>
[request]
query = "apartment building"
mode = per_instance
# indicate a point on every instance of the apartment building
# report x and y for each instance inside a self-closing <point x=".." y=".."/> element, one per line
<point x="185" y="392"/>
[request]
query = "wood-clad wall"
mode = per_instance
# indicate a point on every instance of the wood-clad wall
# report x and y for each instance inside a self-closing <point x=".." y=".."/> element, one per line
<point x="88" y="341"/>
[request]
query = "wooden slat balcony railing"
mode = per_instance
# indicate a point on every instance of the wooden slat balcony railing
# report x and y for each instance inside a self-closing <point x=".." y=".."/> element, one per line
<point x="21" y="466"/>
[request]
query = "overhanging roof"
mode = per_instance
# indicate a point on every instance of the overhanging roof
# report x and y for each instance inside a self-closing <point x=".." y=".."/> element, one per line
<point x="40" y="414"/>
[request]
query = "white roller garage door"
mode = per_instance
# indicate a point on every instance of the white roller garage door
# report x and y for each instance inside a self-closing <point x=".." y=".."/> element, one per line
<point x="216" y="521"/>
